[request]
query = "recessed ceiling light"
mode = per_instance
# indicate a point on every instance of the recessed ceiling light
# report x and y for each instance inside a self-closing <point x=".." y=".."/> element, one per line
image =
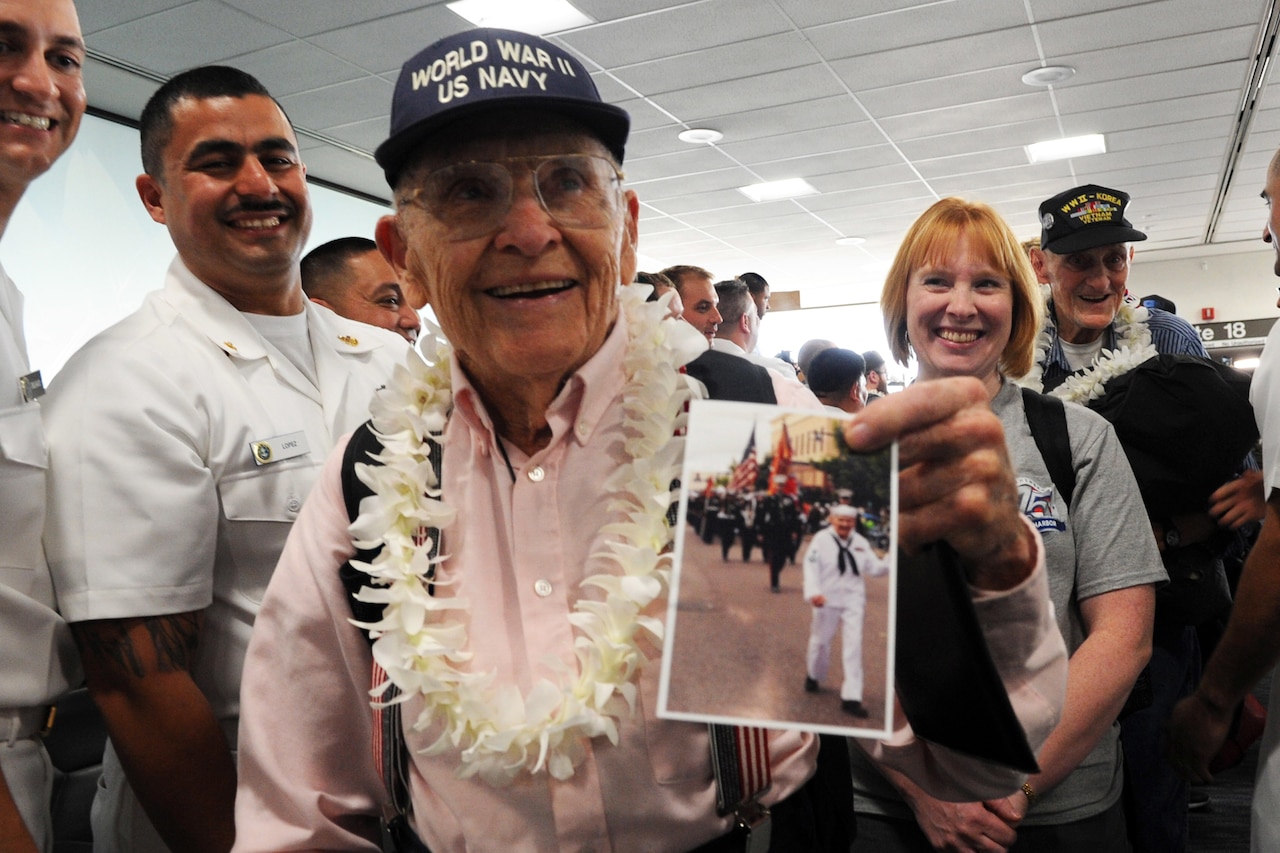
<point x="775" y="190"/>
<point x="851" y="241"/>
<point x="1065" y="149"/>
<point x="530" y="16"/>
<point x="700" y="135"/>
<point x="1048" y="75"/>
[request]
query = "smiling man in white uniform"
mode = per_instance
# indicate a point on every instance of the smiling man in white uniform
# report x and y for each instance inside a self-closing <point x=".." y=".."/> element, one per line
<point x="183" y="441"/>
<point x="41" y="102"/>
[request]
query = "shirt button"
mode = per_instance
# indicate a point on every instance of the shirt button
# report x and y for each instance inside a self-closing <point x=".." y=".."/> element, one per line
<point x="582" y="429"/>
<point x="294" y="504"/>
<point x="537" y="474"/>
<point x="542" y="587"/>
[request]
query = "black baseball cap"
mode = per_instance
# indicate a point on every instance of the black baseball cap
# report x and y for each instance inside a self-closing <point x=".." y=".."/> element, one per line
<point x="488" y="69"/>
<point x="1086" y="217"/>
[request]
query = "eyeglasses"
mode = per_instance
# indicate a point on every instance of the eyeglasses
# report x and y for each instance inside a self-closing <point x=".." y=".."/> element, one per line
<point x="472" y="199"/>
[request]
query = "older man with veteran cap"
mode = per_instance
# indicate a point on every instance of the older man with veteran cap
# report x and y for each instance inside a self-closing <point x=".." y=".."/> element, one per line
<point x="1095" y="332"/>
<point x="527" y="651"/>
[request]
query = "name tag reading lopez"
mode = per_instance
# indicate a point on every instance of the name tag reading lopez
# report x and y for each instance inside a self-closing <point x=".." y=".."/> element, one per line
<point x="281" y="447"/>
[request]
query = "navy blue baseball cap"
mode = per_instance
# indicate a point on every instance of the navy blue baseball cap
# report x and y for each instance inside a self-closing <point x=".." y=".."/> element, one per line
<point x="487" y="69"/>
<point x="1086" y="217"/>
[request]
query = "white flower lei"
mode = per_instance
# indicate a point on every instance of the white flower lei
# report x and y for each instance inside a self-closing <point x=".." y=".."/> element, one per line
<point x="421" y="638"/>
<point x="1133" y="347"/>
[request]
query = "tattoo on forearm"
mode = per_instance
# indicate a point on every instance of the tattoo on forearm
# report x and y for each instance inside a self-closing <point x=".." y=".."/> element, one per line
<point x="111" y="643"/>
<point x="175" y="640"/>
<point x="173" y="637"/>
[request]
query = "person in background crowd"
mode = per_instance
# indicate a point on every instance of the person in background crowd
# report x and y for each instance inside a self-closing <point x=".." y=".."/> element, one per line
<point x="877" y="379"/>
<point x="698" y="293"/>
<point x="1085" y="256"/>
<point x="759" y="291"/>
<point x="349" y="277"/>
<point x="835" y="378"/>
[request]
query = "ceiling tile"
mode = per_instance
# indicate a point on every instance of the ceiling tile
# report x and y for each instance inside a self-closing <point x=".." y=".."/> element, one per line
<point x="790" y="117"/>
<point x="296" y="66"/>
<point x="116" y="91"/>
<point x="717" y="64"/>
<point x="96" y="15"/>
<point x="751" y="93"/>
<point x="1143" y="22"/>
<point x="365" y="135"/>
<point x="150" y="42"/>
<point x="803" y="143"/>
<point x="960" y="89"/>
<point x="967" y="117"/>
<point x="384" y="44"/>
<point x="311" y="18"/>
<point x="687" y="162"/>
<point x="1202" y="80"/>
<point x="942" y="59"/>
<point x="678" y="30"/>
<point x="367" y="97"/>
<point x="924" y="23"/>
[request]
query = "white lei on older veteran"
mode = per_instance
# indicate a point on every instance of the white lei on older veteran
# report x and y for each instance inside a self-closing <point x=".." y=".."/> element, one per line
<point x="421" y="638"/>
<point x="1133" y="347"/>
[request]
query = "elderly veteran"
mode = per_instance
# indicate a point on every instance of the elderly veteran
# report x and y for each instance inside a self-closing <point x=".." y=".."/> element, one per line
<point x="527" y="652"/>
<point x="1095" y="332"/>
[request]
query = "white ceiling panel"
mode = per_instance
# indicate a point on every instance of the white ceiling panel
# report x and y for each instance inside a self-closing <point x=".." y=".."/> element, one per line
<point x="354" y="100"/>
<point x="971" y="116"/>
<point x="677" y="31"/>
<point x="1154" y="113"/>
<point x="690" y="161"/>
<point x="1138" y="22"/>
<point x="296" y="66"/>
<point x="151" y="38"/>
<point x="806" y="142"/>
<point x="939" y="59"/>
<point x="790" y="85"/>
<point x="382" y="45"/>
<point x="1201" y="80"/>
<point x="717" y="64"/>
<point x="922" y="23"/>
<point x="312" y="17"/>
<point x="98" y="15"/>
<point x="788" y="117"/>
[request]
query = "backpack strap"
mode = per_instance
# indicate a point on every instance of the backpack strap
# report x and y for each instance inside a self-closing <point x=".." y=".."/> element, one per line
<point x="362" y="447"/>
<point x="389" y="752"/>
<point x="1047" y="418"/>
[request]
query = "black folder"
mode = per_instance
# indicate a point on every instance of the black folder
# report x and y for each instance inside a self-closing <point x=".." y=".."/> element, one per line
<point x="947" y="683"/>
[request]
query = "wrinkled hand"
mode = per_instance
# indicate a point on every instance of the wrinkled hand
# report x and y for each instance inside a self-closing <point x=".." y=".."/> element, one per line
<point x="955" y="481"/>
<point x="962" y="827"/>
<point x="1239" y="501"/>
<point x="1195" y="732"/>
